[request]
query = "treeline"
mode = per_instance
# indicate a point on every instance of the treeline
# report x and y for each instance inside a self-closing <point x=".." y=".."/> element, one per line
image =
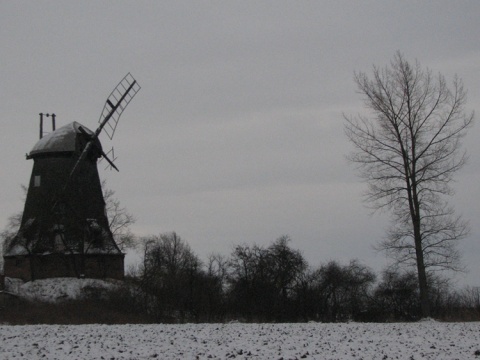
<point x="275" y="284"/>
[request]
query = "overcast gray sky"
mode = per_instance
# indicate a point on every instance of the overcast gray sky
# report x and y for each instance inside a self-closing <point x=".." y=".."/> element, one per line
<point x="237" y="134"/>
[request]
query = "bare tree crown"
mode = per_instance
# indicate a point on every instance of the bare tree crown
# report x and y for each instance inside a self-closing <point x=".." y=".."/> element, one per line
<point x="413" y="136"/>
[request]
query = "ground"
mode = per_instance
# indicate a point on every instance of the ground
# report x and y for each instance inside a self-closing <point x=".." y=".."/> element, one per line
<point x="425" y="340"/>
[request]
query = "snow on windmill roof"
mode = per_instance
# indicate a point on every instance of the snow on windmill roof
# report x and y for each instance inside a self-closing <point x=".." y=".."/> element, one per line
<point x="62" y="140"/>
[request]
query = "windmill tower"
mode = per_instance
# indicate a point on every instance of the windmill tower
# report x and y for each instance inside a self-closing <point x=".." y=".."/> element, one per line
<point x="64" y="230"/>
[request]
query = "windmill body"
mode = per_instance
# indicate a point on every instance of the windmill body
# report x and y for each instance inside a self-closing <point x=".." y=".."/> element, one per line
<point x="64" y="230"/>
<point x="54" y="157"/>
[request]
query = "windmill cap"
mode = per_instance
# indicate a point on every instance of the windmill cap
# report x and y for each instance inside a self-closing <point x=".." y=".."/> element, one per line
<point x="66" y="139"/>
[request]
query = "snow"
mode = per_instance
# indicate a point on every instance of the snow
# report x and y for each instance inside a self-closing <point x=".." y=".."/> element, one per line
<point x="425" y="340"/>
<point x="56" y="289"/>
<point x="61" y="140"/>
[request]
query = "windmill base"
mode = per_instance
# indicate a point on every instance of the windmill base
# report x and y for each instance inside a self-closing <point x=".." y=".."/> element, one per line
<point x="34" y="267"/>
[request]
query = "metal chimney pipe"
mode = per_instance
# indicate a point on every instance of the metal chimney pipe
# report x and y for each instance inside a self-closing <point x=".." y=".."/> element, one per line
<point x="41" y="125"/>
<point x="53" y="122"/>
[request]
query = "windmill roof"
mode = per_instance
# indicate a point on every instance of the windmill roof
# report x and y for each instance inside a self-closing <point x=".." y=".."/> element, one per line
<point x="63" y="139"/>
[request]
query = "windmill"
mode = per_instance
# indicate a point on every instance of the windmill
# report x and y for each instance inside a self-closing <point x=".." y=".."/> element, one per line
<point x="64" y="230"/>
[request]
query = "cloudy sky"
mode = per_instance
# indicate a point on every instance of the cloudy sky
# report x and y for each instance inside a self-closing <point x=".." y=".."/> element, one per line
<point x="237" y="133"/>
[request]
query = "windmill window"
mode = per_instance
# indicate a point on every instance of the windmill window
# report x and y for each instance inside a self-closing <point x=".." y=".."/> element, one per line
<point x="36" y="181"/>
<point x="18" y="260"/>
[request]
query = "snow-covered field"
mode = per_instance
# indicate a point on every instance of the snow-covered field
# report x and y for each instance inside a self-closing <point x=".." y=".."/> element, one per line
<point x="425" y="340"/>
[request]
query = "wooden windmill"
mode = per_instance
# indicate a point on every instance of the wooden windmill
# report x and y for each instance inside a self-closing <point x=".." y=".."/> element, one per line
<point x="64" y="230"/>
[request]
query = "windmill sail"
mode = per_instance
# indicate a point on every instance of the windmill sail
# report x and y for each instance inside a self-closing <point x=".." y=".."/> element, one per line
<point x="116" y="103"/>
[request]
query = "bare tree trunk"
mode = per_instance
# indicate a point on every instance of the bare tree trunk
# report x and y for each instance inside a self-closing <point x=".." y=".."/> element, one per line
<point x="417" y="235"/>
<point x="422" y="274"/>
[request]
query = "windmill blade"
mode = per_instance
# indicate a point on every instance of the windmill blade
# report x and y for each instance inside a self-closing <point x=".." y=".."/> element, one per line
<point x="118" y="100"/>
<point x="110" y="162"/>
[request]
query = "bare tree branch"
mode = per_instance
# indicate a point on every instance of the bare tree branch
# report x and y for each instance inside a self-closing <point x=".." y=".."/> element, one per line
<point x="119" y="219"/>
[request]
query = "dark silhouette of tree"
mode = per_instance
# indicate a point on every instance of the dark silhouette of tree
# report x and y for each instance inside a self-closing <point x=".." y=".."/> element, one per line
<point x="287" y="267"/>
<point x="408" y="151"/>
<point x="119" y="219"/>
<point x="170" y="274"/>
<point x="263" y="281"/>
<point x="215" y="287"/>
<point x="342" y="290"/>
<point x="11" y="229"/>
<point x="249" y="292"/>
<point x="307" y="297"/>
<point x="396" y="296"/>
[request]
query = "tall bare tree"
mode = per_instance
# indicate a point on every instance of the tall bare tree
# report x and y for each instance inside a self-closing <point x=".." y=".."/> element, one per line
<point x="408" y="150"/>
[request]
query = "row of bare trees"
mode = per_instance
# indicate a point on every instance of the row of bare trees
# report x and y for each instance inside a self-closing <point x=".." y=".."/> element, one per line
<point x="407" y="148"/>
<point x="276" y="284"/>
